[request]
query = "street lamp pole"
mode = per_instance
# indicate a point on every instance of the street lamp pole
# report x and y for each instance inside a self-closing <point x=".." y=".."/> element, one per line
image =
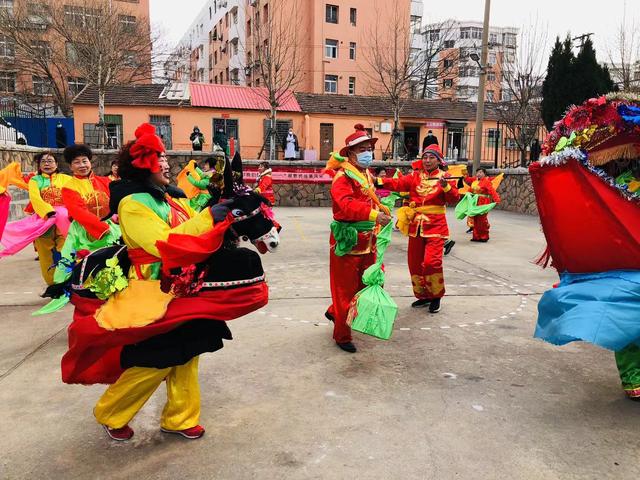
<point x="477" y="145"/>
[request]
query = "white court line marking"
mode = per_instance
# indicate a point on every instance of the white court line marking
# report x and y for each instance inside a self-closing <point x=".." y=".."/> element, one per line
<point x="404" y="329"/>
<point x="425" y="328"/>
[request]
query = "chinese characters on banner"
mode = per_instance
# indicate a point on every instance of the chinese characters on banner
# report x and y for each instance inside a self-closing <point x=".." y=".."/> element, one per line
<point x="290" y="175"/>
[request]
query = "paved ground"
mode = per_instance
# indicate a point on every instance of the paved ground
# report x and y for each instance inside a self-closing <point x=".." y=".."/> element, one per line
<point x="464" y="394"/>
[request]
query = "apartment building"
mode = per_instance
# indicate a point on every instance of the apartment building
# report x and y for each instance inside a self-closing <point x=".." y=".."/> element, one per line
<point x="459" y="74"/>
<point x="13" y="79"/>
<point x="332" y="38"/>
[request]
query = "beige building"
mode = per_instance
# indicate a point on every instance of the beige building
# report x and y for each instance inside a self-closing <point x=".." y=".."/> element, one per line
<point x="459" y="75"/>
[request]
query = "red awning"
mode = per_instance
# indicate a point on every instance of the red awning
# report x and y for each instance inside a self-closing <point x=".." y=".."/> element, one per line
<point x="237" y="98"/>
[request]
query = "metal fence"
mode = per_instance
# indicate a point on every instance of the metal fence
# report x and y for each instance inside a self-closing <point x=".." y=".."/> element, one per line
<point x="505" y="146"/>
<point x="22" y="124"/>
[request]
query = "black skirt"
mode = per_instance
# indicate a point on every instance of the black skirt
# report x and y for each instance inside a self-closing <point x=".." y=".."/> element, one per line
<point x="178" y="346"/>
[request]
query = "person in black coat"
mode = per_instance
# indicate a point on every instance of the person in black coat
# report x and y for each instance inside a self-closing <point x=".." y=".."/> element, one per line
<point x="197" y="139"/>
<point x="430" y="139"/>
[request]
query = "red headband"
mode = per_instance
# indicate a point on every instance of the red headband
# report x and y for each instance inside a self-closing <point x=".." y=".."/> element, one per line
<point x="147" y="148"/>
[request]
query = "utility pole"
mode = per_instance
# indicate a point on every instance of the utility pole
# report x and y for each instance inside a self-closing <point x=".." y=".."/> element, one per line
<point x="583" y="38"/>
<point x="477" y="144"/>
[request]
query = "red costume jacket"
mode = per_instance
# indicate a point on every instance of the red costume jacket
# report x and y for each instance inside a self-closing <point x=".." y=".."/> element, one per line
<point x="483" y="188"/>
<point x="426" y="194"/>
<point x="351" y="204"/>
<point x="265" y="187"/>
<point x="87" y="200"/>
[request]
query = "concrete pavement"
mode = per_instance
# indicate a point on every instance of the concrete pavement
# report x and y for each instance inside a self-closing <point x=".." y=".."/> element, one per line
<point x="464" y="394"/>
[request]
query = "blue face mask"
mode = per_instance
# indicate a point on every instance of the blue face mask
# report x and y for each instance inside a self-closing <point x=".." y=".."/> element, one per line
<point x="364" y="159"/>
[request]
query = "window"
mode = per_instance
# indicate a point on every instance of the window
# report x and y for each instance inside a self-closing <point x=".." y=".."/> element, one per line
<point x="506" y="96"/>
<point x="265" y="14"/>
<point x="476" y="33"/>
<point x="492" y="59"/>
<point x="7" y="5"/>
<point x="72" y="52"/>
<point x="448" y="64"/>
<point x="76" y="85"/>
<point x="130" y="59"/>
<point x="41" y="86"/>
<point x="330" y="84"/>
<point x="7" y="47"/>
<point x="352" y="50"/>
<point x="331" y="48"/>
<point x="509" y="39"/>
<point x="39" y="13"/>
<point x="331" y="13"/>
<point x="491" y="96"/>
<point x="493" y="136"/>
<point x="449" y="44"/>
<point x="352" y="85"/>
<point x="234" y="17"/>
<point x="353" y="16"/>
<point x="81" y="17"/>
<point x="465" y="32"/>
<point x="434" y="35"/>
<point x="415" y="24"/>
<point x="7" y="82"/>
<point x="41" y="48"/>
<point x="248" y="28"/>
<point x="491" y="76"/>
<point x="127" y="23"/>
<point x="493" y="38"/>
<point x="234" y="48"/>
<point x="447" y="83"/>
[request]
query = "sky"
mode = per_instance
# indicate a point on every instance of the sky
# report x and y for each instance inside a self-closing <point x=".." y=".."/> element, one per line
<point x="560" y="16"/>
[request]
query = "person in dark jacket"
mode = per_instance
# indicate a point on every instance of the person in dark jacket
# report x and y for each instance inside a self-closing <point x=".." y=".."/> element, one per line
<point x="430" y="139"/>
<point x="535" y="150"/>
<point x="197" y="139"/>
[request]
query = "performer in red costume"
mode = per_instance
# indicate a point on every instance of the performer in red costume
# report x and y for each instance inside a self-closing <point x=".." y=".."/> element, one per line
<point x="264" y="182"/>
<point x="424" y="221"/>
<point x="357" y="213"/>
<point x="481" y="186"/>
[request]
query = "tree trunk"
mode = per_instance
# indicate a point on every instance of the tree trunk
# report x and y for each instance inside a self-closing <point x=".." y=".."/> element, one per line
<point x="395" y="148"/>
<point x="102" y="128"/>
<point x="273" y="148"/>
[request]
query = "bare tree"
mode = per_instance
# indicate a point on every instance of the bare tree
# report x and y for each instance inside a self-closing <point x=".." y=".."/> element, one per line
<point x="98" y="42"/>
<point x="437" y="60"/>
<point x="35" y="53"/>
<point x="624" y="56"/>
<point x="522" y="87"/>
<point x="392" y="66"/>
<point x="274" y="57"/>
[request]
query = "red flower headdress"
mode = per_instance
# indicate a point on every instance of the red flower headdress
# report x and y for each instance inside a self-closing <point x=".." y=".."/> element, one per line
<point x="147" y="148"/>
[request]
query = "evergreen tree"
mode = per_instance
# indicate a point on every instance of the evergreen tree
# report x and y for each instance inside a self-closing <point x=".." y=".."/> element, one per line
<point x="557" y="87"/>
<point x="589" y="78"/>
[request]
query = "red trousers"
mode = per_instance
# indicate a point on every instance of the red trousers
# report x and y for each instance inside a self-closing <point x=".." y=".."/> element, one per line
<point x="345" y="275"/>
<point x="481" y="227"/>
<point x="425" y="266"/>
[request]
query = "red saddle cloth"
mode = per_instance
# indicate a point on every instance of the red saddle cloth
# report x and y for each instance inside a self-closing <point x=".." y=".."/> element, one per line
<point x="588" y="224"/>
<point x="94" y="353"/>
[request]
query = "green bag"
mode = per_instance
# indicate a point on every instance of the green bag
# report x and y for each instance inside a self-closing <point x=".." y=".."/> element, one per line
<point x="468" y="207"/>
<point x="372" y="310"/>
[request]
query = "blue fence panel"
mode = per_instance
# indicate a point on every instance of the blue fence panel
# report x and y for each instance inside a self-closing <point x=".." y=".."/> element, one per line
<point x="67" y="136"/>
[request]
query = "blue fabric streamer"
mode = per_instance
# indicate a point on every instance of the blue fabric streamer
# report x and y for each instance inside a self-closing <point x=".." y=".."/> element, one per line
<point x="630" y="113"/>
<point x="600" y="308"/>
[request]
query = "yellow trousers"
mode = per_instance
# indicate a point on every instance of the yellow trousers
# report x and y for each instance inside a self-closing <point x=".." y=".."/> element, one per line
<point x="122" y="400"/>
<point x="51" y="240"/>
